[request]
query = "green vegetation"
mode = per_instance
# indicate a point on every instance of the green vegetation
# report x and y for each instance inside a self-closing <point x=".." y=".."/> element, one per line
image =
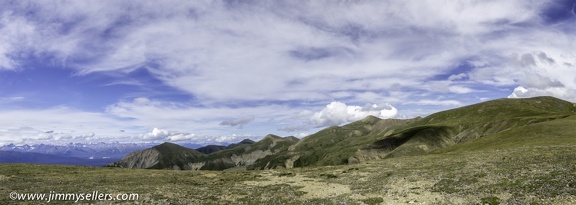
<point x="491" y="200"/>
<point x="494" y="124"/>
<point x="373" y="200"/>
<point x="173" y="154"/>
<point x="275" y="144"/>
<point x="335" y="145"/>
<point x="241" y="155"/>
<point x="520" y="175"/>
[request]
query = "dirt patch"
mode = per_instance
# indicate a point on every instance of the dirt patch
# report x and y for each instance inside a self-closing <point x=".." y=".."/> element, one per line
<point x="313" y="187"/>
<point x="210" y="175"/>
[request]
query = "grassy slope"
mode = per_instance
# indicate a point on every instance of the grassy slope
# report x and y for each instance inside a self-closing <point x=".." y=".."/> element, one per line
<point x="501" y="109"/>
<point x="173" y="154"/>
<point x="335" y="145"/>
<point x="554" y="132"/>
<point x="516" y="119"/>
<point x="218" y="160"/>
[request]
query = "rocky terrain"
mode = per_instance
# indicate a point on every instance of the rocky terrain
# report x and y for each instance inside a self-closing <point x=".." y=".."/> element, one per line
<point x="234" y="156"/>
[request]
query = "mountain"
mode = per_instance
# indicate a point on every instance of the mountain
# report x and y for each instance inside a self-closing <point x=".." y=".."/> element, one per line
<point x="165" y="155"/>
<point x="173" y="156"/>
<point x="489" y="123"/>
<point x="100" y="150"/>
<point x="338" y="144"/>
<point x="492" y="124"/>
<point x="470" y="123"/>
<point x="245" y="155"/>
<point x="38" y="158"/>
<point x="208" y="149"/>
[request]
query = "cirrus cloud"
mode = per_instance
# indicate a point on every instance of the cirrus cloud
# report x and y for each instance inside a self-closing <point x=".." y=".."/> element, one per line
<point x="227" y="60"/>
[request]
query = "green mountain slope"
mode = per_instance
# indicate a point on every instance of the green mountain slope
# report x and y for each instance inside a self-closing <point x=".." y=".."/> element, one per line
<point x="209" y="149"/>
<point x="246" y="155"/>
<point x="173" y="156"/>
<point x="164" y="156"/>
<point x="373" y="138"/>
<point x="561" y="131"/>
<point x="335" y="145"/>
<point x="469" y="123"/>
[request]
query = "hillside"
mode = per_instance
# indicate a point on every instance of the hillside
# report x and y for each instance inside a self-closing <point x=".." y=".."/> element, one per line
<point x="173" y="156"/>
<point x="336" y="145"/>
<point x="374" y="138"/>
<point x="246" y="156"/>
<point x="163" y="156"/>
<point x="209" y="149"/>
<point x="488" y="120"/>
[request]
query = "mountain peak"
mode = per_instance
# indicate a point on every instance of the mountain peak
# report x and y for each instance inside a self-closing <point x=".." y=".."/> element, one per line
<point x="272" y="136"/>
<point x="246" y="141"/>
<point x="169" y="145"/>
<point x="370" y="119"/>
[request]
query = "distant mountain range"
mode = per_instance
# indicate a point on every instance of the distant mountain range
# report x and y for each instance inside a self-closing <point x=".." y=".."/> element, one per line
<point x="38" y="158"/>
<point x="86" y="154"/>
<point x="495" y="124"/>
<point x="81" y="150"/>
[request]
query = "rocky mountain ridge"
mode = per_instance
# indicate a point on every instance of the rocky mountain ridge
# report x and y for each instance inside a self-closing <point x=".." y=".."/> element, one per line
<point x="212" y="157"/>
<point x="374" y="138"/>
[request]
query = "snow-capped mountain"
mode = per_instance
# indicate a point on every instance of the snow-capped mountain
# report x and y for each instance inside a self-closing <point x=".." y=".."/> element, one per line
<point x="100" y="150"/>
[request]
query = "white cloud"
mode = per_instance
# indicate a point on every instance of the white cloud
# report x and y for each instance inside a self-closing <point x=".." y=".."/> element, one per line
<point x="145" y="112"/>
<point x="337" y="113"/>
<point x="165" y="135"/>
<point x="223" y="139"/>
<point x="459" y="76"/>
<point x="12" y="99"/>
<point x="559" y="92"/>
<point x="445" y="87"/>
<point x="198" y="47"/>
<point x="238" y="122"/>
<point x="66" y="124"/>
<point x="296" y="127"/>
<point x="518" y="92"/>
<point x="550" y="73"/>
<point x="437" y="102"/>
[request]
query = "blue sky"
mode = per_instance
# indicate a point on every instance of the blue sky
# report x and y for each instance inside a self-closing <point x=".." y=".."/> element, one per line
<point x="220" y="71"/>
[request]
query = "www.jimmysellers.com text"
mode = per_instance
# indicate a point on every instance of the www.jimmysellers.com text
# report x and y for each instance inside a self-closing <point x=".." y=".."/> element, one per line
<point x="76" y="197"/>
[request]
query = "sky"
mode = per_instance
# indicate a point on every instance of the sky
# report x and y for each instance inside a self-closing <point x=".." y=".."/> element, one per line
<point x="213" y="72"/>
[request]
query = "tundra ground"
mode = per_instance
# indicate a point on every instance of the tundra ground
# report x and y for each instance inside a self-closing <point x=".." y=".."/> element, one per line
<point x="523" y="175"/>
